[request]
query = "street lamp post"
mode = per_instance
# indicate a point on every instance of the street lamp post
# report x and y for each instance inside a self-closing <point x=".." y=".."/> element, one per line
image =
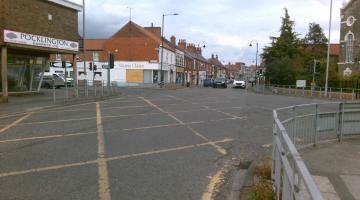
<point x="162" y="48"/>
<point x="328" y="52"/>
<point x="256" y="59"/>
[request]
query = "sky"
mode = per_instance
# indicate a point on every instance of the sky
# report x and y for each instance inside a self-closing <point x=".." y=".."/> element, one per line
<point x="225" y="27"/>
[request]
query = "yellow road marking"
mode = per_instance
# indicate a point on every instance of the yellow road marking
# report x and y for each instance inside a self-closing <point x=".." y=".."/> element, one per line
<point x="56" y="121"/>
<point x="104" y="188"/>
<point x="45" y="137"/>
<point x="214" y="183"/>
<point x="217" y="147"/>
<point x="15" y="123"/>
<point x="123" y="107"/>
<point x="47" y="168"/>
<point x="15" y="173"/>
<point x="111" y="131"/>
<point x="167" y="150"/>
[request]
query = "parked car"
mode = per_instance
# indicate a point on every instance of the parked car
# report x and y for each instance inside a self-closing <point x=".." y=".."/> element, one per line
<point x="50" y="81"/>
<point x="239" y="84"/>
<point x="220" y="82"/>
<point x="208" y="82"/>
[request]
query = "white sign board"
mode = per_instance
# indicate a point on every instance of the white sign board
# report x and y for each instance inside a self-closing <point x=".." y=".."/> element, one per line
<point x="40" y="41"/>
<point x="300" y="83"/>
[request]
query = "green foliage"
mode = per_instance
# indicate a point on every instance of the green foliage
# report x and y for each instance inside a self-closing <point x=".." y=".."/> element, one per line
<point x="289" y="58"/>
<point x="263" y="188"/>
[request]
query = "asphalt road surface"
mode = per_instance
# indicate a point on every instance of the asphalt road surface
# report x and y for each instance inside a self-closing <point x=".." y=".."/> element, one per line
<point x="144" y="144"/>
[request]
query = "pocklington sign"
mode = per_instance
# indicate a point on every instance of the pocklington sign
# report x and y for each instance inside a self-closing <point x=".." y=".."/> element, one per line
<point x="40" y="41"/>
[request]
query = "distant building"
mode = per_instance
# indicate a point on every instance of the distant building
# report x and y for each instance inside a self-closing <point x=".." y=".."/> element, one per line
<point x="349" y="57"/>
<point x="31" y="30"/>
<point x="235" y="70"/>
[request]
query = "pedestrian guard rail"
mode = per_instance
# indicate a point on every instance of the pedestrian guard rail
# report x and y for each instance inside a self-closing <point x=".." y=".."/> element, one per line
<point x="302" y="126"/>
<point x="349" y="94"/>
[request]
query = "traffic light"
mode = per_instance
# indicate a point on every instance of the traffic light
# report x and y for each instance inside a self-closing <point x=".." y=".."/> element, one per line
<point x="95" y="67"/>
<point x="63" y="64"/>
<point x="90" y="66"/>
<point x="261" y="72"/>
<point x="111" y="61"/>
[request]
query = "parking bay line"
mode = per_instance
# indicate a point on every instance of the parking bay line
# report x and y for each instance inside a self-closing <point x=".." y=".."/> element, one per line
<point x="217" y="147"/>
<point x="113" y="158"/>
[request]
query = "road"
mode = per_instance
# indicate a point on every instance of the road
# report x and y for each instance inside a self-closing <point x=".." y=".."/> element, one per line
<point x="144" y="144"/>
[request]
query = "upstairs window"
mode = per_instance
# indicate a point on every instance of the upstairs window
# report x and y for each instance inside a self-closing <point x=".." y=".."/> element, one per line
<point x="349" y="47"/>
<point x="96" y="56"/>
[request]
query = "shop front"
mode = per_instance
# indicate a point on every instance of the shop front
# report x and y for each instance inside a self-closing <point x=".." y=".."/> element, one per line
<point x="30" y="31"/>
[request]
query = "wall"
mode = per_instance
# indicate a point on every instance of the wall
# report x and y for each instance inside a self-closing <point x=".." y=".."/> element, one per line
<point x="31" y="16"/>
<point x="351" y="10"/>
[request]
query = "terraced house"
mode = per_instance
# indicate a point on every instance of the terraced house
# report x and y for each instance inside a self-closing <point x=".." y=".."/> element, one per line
<point x="349" y="58"/>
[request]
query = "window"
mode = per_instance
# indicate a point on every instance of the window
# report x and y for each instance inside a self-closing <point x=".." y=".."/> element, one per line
<point x="350" y="20"/>
<point x="96" y="56"/>
<point x="58" y="57"/>
<point x="349" y="47"/>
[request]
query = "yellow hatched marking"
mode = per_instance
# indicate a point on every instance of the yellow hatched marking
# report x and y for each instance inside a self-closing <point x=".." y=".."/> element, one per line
<point x="217" y="147"/>
<point x="104" y="188"/>
<point x="15" y="123"/>
<point x="122" y="157"/>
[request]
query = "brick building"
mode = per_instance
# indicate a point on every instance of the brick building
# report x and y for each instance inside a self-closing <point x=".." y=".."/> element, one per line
<point x="137" y="54"/>
<point x="218" y="68"/>
<point x="235" y="70"/>
<point x="31" y="30"/>
<point x="349" y="58"/>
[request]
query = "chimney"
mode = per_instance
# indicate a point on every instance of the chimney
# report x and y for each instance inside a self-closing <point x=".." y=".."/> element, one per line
<point x="155" y="30"/>
<point x="182" y="44"/>
<point x="212" y="56"/>
<point x="173" y="40"/>
<point x="217" y="57"/>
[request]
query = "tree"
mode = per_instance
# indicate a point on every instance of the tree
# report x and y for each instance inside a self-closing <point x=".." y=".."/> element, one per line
<point x="278" y="57"/>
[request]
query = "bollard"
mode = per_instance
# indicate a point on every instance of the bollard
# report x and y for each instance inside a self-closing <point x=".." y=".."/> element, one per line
<point x="330" y="93"/>
<point x="320" y="93"/>
<point x="353" y="94"/>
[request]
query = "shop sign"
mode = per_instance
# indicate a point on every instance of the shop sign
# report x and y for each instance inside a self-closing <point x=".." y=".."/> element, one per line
<point x="132" y="66"/>
<point x="40" y="41"/>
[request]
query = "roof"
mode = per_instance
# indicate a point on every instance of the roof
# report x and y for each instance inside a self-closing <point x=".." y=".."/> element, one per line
<point x="95" y="44"/>
<point x="335" y="49"/>
<point x="145" y="32"/>
<point x="68" y="4"/>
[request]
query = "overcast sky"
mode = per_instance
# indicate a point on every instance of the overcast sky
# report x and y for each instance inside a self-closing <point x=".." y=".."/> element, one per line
<point x="226" y="27"/>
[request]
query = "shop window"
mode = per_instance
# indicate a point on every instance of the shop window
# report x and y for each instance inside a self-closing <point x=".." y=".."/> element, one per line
<point x="349" y="47"/>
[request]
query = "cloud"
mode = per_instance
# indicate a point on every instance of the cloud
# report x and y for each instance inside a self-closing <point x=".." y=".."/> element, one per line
<point x="226" y="27"/>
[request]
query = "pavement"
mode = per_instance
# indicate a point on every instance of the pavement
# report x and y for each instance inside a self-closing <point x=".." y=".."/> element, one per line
<point x="144" y="144"/>
<point x="335" y="168"/>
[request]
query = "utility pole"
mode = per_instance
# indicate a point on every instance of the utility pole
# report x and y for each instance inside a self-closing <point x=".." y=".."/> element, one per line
<point x="328" y="52"/>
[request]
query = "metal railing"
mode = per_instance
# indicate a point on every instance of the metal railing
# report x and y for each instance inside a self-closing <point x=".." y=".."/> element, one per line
<point x="332" y="93"/>
<point x="298" y="127"/>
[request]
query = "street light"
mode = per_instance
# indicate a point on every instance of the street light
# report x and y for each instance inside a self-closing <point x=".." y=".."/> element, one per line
<point x="256" y="59"/>
<point x="162" y="48"/>
<point x="328" y="52"/>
